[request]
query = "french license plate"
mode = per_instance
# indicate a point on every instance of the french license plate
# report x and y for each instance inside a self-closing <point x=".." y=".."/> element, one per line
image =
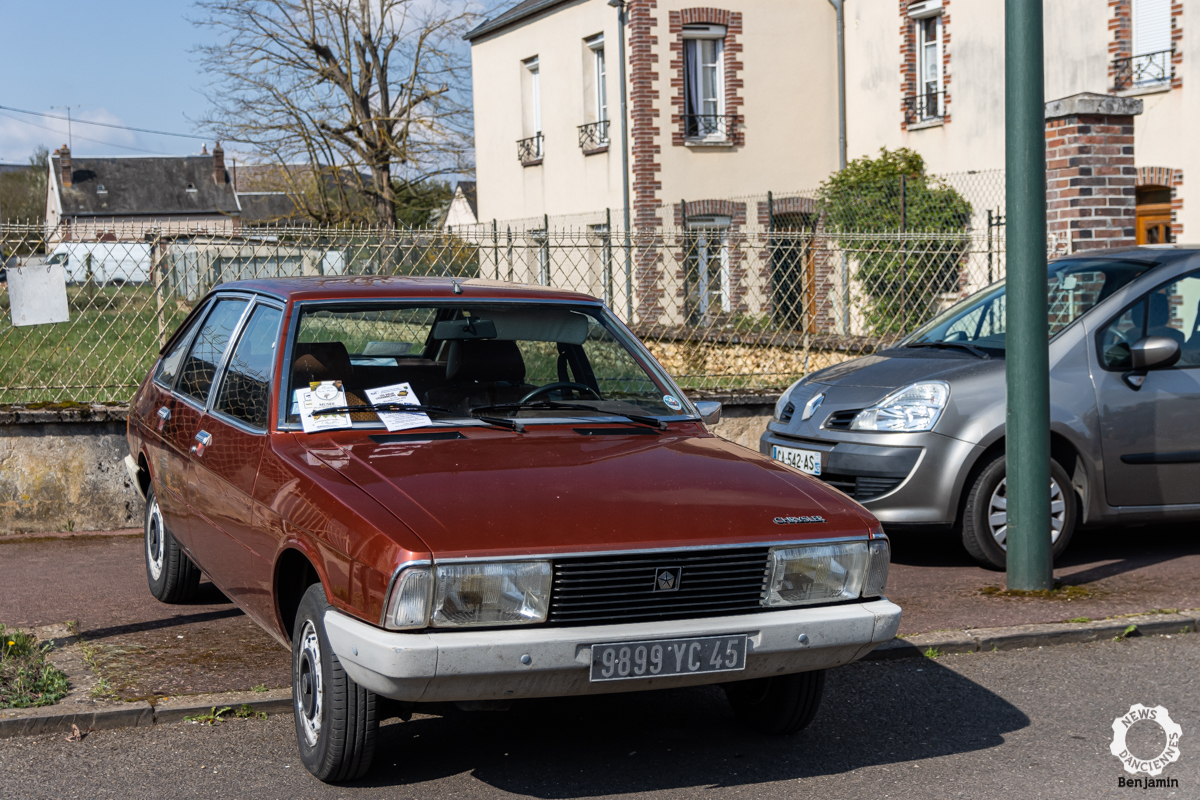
<point x="804" y="460"/>
<point x="654" y="659"/>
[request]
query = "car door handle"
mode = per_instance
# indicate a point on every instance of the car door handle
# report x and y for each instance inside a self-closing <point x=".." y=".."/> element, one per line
<point x="164" y="414"/>
<point x="203" y="440"/>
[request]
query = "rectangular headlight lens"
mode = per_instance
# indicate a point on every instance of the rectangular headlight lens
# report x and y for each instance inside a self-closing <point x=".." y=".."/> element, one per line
<point x="408" y="606"/>
<point x="877" y="569"/>
<point x="819" y="573"/>
<point x="500" y="593"/>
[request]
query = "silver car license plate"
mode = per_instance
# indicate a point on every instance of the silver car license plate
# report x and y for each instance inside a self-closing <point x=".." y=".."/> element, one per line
<point x="654" y="659"/>
<point x="804" y="460"/>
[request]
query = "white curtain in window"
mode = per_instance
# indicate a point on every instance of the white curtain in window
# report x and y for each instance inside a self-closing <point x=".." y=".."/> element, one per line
<point x="1151" y="26"/>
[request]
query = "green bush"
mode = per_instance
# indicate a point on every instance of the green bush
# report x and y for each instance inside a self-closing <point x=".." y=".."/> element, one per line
<point x="901" y="275"/>
<point x="26" y="678"/>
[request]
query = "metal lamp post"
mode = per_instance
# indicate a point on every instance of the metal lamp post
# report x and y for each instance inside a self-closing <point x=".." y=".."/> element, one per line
<point x="619" y="5"/>
<point x="1027" y="357"/>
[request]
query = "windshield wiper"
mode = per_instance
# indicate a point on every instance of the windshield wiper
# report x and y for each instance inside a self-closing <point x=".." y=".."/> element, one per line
<point x="975" y="351"/>
<point x="553" y="406"/>
<point x="405" y="408"/>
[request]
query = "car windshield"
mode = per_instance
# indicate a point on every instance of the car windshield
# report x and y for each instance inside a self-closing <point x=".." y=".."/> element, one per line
<point x="552" y="360"/>
<point x="1073" y="287"/>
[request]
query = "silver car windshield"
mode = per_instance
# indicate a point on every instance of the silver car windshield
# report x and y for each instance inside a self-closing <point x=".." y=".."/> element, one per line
<point x="1073" y="287"/>
<point x="479" y="360"/>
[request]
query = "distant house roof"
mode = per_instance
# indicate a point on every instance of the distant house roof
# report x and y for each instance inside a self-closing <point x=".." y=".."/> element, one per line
<point x="136" y="185"/>
<point x="467" y="188"/>
<point x="267" y="207"/>
<point x="526" y="8"/>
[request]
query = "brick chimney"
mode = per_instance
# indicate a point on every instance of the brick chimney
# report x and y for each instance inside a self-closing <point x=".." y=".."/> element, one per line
<point x="218" y="164"/>
<point x="1090" y="176"/>
<point x="64" y="163"/>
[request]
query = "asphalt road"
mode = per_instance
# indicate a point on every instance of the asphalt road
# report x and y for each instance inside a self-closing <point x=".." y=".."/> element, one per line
<point x="1016" y="724"/>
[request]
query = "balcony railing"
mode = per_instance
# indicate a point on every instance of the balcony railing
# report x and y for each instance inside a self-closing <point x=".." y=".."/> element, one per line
<point x="593" y="136"/>
<point x="1146" y="70"/>
<point x="709" y="127"/>
<point x="530" y="150"/>
<point x="925" y="107"/>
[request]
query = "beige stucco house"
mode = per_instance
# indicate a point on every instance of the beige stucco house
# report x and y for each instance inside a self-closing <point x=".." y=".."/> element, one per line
<point x="742" y="98"/>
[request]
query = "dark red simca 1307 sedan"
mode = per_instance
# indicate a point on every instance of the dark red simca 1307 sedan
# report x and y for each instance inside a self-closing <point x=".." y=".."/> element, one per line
<point x="461" y="491"/>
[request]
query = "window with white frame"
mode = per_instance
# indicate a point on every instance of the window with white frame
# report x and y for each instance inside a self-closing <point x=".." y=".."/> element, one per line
<point x="593" y="133"/>
<point x="600" y="78"/>
<point x="533" y="107"/>
<point x="704" y="82"/>
<point x="1151" y="62"/>
<point x="709" y="265"/>
<point x="927" y="103"/>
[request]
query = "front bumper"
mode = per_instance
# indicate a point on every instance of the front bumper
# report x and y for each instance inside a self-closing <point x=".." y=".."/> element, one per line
<point x="468" y="665"/>
<point x="912" y="478"/>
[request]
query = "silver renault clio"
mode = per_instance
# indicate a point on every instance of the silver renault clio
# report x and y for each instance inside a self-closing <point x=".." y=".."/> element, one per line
<point x="916" y="432"/>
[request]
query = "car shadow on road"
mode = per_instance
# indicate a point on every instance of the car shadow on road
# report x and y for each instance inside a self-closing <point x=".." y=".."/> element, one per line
<point x="874" y="713"/>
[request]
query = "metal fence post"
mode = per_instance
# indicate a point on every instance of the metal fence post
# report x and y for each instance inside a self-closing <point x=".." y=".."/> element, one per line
<point x="608" y="273"/>
<point x="1027" y="360"/>
<point x="496" y="247"/>
<point x="544" y="279"/>
<point x="510" y="255"/>
<point x="903" y="252"/>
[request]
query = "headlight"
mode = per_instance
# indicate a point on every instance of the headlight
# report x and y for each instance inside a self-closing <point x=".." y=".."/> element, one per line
<point x="817" y="573"/>
<point x="783" y="398"/>
<point x="913" y="408"/>
<point x="500" y="593"/>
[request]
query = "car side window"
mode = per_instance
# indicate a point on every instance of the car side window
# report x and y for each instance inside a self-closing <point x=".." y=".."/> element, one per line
<point x="1172" y="310"/>
<point x="168" y="365"/>
<point x="246" y="388"/>
<point x="200" y="366"/>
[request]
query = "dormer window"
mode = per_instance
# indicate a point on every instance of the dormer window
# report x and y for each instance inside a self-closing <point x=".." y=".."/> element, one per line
<point x="191" y="187"/>
<point x="101" y="190"/>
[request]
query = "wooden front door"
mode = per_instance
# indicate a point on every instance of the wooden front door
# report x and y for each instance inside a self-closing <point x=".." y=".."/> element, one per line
<point x="1154" y="223"/>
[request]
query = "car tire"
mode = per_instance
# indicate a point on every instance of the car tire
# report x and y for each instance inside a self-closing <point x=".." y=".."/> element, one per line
<point x="337" y="721"/>
<point x="779" y="705"/>
<point x="172" y="576"/>
<point x="985" y="537"/>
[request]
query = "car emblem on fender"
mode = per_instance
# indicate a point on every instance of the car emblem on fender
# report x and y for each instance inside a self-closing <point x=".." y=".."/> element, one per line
<point x="667" y="579"/>
<point x="797" y="520"/>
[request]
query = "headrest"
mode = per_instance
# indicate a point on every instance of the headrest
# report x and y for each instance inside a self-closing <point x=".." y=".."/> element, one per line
<point x="488" y="360"/>
<point x="321" y="361"/>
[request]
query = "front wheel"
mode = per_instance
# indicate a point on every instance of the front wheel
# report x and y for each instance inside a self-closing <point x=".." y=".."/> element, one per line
<point x="172" y="576"/>
<point x="780" y="705"/>
<point x="985" y="516"/>
<point x="337" y="720"/>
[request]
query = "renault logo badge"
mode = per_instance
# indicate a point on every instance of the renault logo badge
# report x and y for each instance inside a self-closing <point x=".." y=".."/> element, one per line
<point x="666" y="579"/>
<point x="812" y="405"/>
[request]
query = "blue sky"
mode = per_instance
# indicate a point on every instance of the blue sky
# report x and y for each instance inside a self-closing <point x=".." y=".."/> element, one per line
<point x="123" y="61"/>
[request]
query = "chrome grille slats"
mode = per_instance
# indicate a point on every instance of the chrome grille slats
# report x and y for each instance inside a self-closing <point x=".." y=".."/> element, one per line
<point x="592" y="590"/>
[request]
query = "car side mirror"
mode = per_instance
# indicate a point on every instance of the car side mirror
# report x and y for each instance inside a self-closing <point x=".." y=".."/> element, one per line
<point x="1154" y="352"/>
<point x="710" y="411"/>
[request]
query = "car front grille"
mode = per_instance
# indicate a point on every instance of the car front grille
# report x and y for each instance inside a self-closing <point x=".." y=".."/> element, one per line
<point x="861" y="487"/>
<point x="594" y="590"/>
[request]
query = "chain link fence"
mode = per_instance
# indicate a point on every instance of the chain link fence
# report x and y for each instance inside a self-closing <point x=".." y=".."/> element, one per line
<point x="734" y="296"/>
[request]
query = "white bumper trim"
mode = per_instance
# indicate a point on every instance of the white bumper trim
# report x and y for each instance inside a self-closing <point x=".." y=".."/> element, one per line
<point x="487" y="665"/>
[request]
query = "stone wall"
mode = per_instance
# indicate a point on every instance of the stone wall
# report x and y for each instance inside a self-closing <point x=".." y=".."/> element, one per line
<point x="61" y="469"/>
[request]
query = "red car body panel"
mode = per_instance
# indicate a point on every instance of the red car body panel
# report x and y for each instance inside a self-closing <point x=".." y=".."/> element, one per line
<point x="356" y="508"/>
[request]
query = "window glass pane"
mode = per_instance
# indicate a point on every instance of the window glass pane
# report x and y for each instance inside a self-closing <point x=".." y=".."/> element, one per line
<point x="601" y="87"/>
<point x="201" y="365"/>
<point x="246" y="387"/>
<point x="168" y="367"/>
<point x="1119" y="335"/>
<point x="1170" y="311"/>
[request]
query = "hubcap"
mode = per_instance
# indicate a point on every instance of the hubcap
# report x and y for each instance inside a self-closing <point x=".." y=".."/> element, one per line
<point x="309" y="690"/>
<point x="998" y="513"/>
<point x="154" y="540"/>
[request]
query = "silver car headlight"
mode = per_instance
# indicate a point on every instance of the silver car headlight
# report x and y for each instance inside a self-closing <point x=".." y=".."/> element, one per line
<point x="497" y="593"/>
<point x="817" y="573"/>
<point x="913" y="408"/>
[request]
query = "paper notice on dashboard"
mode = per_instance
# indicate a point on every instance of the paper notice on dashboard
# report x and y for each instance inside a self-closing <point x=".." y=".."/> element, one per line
<point x="395" y="420"/>
<point x="319" y="396"/>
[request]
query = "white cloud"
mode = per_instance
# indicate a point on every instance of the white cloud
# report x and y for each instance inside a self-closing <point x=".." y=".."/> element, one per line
<point x="20" y="134"/>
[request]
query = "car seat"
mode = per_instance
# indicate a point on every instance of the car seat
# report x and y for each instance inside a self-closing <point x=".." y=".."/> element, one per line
<point x="481" y="372"/>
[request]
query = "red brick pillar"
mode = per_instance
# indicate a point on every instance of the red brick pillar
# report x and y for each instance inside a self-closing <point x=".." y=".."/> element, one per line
<point x="1090" y="176"/>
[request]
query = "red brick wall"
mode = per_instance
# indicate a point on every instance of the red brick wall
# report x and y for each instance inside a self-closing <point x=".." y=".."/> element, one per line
<point x="1090" y="180"/>
<point x="643" y="98"/>
<point x="733" y="66"/>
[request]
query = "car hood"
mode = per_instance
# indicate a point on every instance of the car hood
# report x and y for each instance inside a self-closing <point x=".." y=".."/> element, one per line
<point x="898" y="367"/>
<point x="552" y="489"/>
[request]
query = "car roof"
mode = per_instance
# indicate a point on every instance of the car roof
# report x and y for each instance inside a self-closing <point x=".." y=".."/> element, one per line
<point x="1160" y="253"/>
<point x="378" y="287"/>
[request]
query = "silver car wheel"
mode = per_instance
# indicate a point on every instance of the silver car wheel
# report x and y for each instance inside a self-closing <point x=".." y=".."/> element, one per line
<point x="309" y="689"/>
<point x="155" y="546"/>
<point x="998" y="513"/>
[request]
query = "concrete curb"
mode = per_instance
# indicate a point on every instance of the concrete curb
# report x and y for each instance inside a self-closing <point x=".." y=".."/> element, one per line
<point x="141" y="714"/>
<point x="279" y="701"/>
<point x="984" y="640"/>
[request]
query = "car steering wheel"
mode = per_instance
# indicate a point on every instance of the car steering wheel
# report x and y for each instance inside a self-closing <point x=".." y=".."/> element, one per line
<point x="551" y="387"/>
